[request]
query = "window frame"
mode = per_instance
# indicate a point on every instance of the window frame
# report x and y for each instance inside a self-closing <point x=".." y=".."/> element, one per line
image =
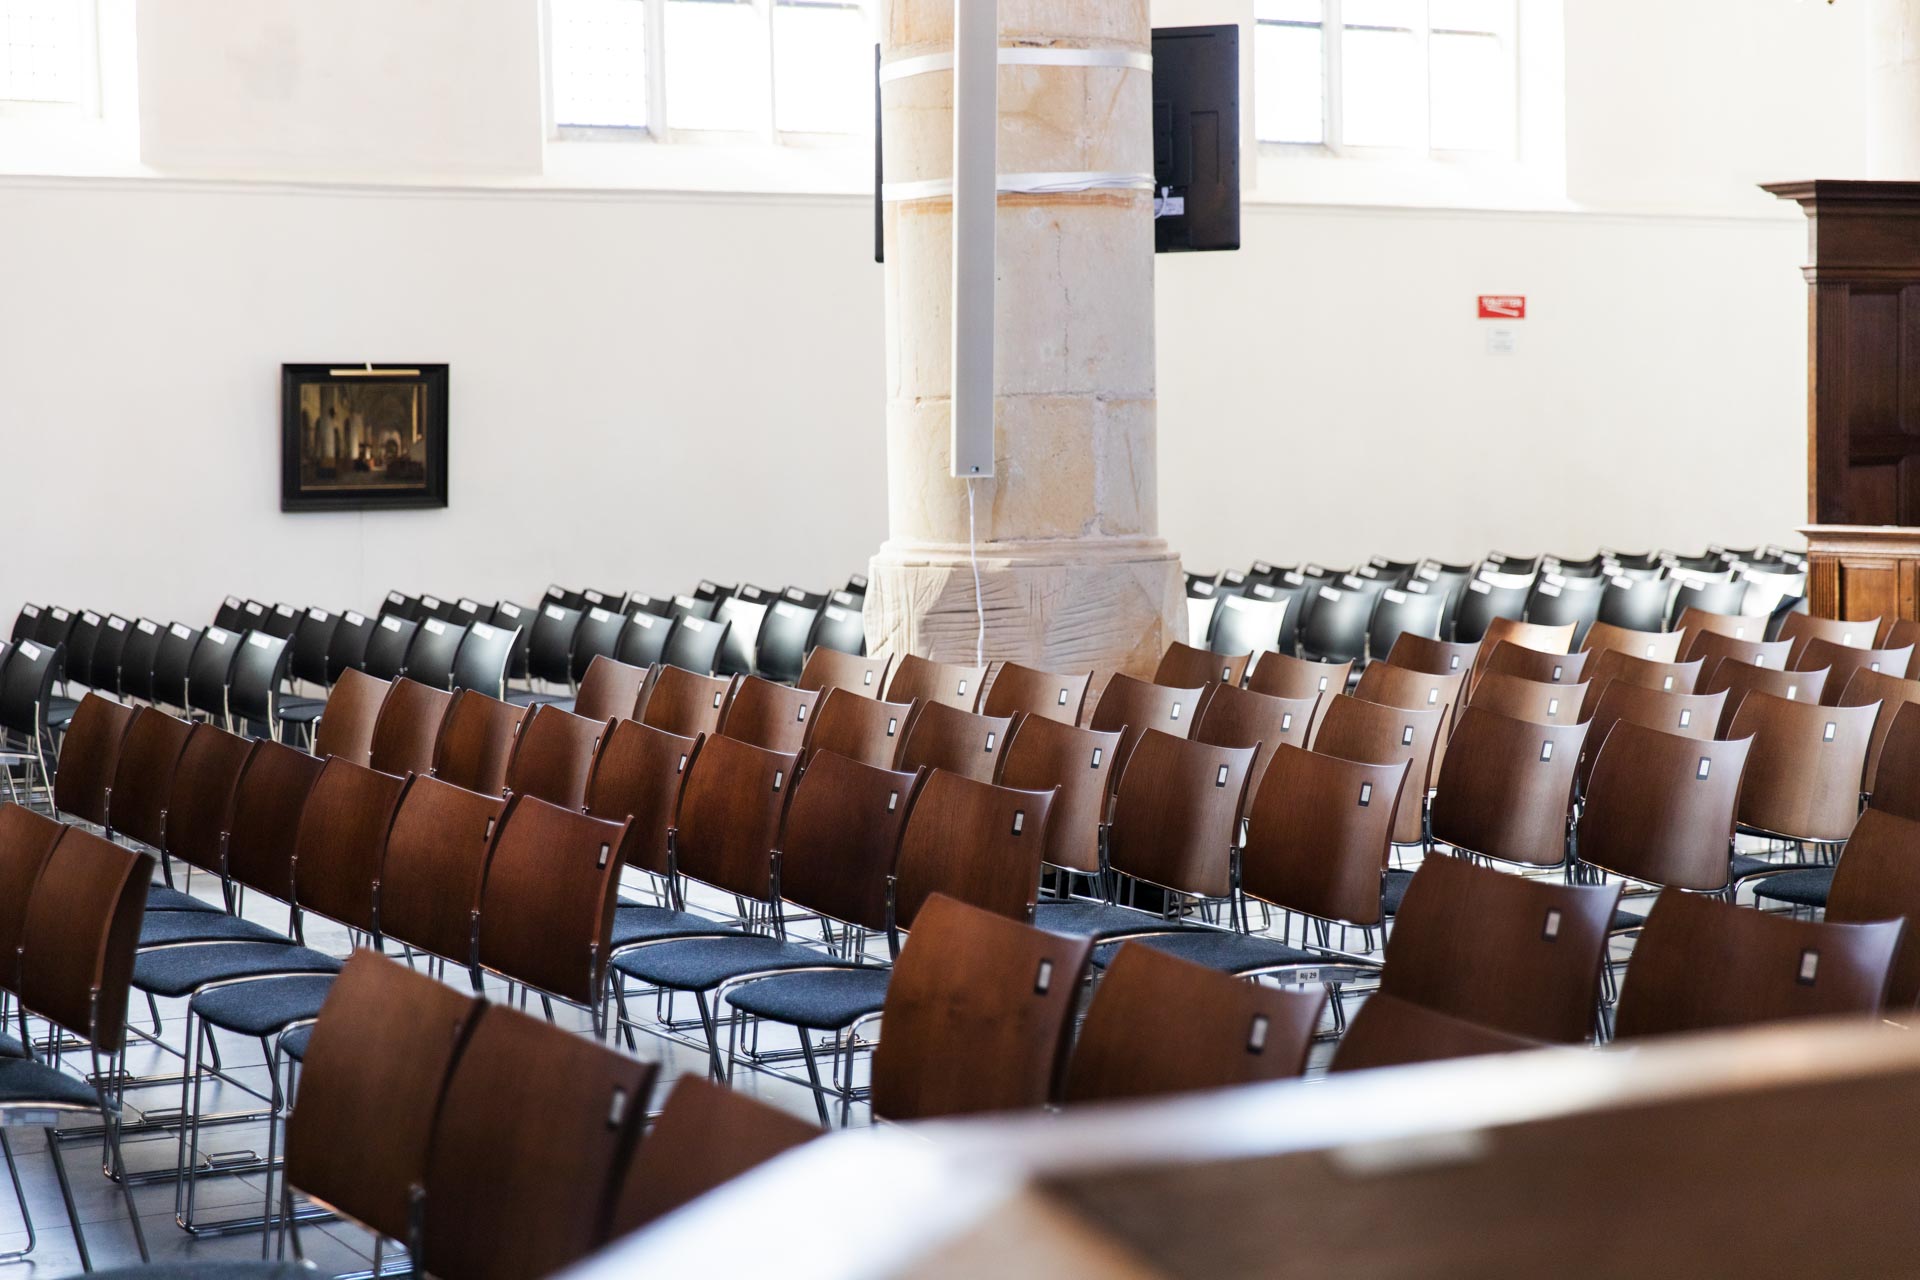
<point x="88" y="102"/>
<point x="1333" y="143"/>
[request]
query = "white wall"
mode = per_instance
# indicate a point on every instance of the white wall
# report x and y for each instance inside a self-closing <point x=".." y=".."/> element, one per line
<point x="651" y="386"/>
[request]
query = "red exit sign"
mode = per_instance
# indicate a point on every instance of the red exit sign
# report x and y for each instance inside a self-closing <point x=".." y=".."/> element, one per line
<point x="1503" y="306"/>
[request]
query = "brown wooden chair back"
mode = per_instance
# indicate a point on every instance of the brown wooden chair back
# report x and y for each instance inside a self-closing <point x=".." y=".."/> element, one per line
<point x="773" y="716"/>
<point x="1373" y="733"/>
<point x="828" y="669"/>
<point x="1841" y="661"/>
<point x="1525" y="699"/>
<point x="1042" y="754"/>
<point x="435" y="866"/>
<point x="681" y="702"/>
<point x="1131" y="707"/>
<point x="1185" y="667"/>
<point x="553" y="756"/>
<point x="1668" y="677"/>
<point x="1506" y="788"/>
<point x="26" y="842"/>
<point x="610" y="690"/>
<point x="636" y="780"/>
<point x="1660" y="808"/>
<point x="1412" y="652"/>
<point x="975" y="843"/>
<point x="370" y="1089"/>
<point x="89" y="754"/>
<point x="1281" y="675"/>
<point x="1737" y="679"/>
<point x="1319" y="834"/>
<point x="1805" y="769"/>
<point x="978" y="1015"/>
<point x="706" y="1135"/>
<point x="1899" y="632"/>
<point x="1161" y="1025"/>
<point x="351" y="718"/>
<point x="201" y="800"/>
<point x="1508" y="658"/>
<point x="1527" y="635"/>
<point x="1230" y="716"/>
<point x="1177" y="811"/>
<point x="1702" y="964"/>
<point x="841" y="836"/>
<point x="1648" y="646"/>
<point x="408" y="728"/>
<point x="1391" y="1032"/>
<point x="1802" y="628"/>
<point x="143" y="776"/>
<point x="546" y="906"/>
<point x="1878" y="878"/>
<point x="533" y="1132"/>
<point x="727" y="822"/>
<point x="78" y="938"/>
<point x="1694" y="623"/>
<point x="1713" y="648"/>
<point x="859" y="728"/>
<point x="938" y="736"/>
<point x="1018" y="690"/>
<point x="342" y="841"/>
<point x="264" y="827"/>
<point x="1896" y="786"/>
<point x="1518" y="954"/>
<point x="477" y="741"/>
<point x="919" y="679"/>
<point x="1892" y="693"/>
<point x="1392" y="686"/>
<point x="1695" y="716"/>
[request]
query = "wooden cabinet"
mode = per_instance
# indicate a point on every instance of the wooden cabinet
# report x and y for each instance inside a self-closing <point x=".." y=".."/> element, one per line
<point x="1863" y="571"/>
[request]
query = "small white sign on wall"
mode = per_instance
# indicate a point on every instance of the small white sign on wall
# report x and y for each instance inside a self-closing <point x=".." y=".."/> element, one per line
<point x="1502" y="341"/>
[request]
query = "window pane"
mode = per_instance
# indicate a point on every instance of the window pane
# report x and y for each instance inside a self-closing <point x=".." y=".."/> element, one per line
<point x="600" y="62"/>
<point x="1381" y="93"/>
<point x="1470" y="15"/>
<point x="1472" y="93"/>
<point x="1380" y="13"/>
<point x="1287" y="92"/>
<point x="40" y="50"/>
<point x="1287" y="10"/>
<point x="716" y="66"/>
<point x="822" y="68"/>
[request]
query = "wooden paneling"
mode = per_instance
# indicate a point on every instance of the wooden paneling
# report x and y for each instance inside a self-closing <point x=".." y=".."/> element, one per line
<point x="1863" y="571"/>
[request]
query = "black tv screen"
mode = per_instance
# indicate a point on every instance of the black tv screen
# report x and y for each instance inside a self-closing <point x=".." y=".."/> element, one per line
<point x="1196" y="138"/>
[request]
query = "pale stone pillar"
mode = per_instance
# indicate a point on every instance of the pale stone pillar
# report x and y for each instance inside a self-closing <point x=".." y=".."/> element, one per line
<point x="1072" y="569"/>
<point x="1893" y="90"/>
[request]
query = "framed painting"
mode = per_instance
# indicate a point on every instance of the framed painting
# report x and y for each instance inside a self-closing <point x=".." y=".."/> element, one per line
<point x="362" y="437"/>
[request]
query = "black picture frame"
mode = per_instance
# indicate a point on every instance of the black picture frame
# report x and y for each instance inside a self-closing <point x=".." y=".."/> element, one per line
<point x="360" y="437"/>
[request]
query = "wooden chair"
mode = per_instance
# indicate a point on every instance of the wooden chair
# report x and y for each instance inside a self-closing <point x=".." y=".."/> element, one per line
<point x="1525" y="699"/>
<point x="546" y="906"/>
<point x="1667" y="677"/>
<point x="1897" y="633"/>
<point x="726" y="821"/>
<point x="1435" y="657"/>
<point x="1185" y="667"/>
<point x="939" y="736"/>
<point x="1737" y="679"/>
<point x="1158" y="1025"/>
<point x="89" y="755"/>
<point x="1661" y="810"/>
<point x="1712" y="648"/>
<point x="828" y="669"/>
<point x="477" y="742"/>
<point x="1391" y="1032"/>
<point x="917" y="678"/>
<point x="528" y="1145"/>
<point x="773" y="716"/>
<point x="1841" y="661"/>
<point x="349" y="722"/>
<point x="681" y="702"/>
<point x="1896" y="784"/>
<point x="609" y="690"/>
<point x="1648" y="646"/>
<point x="553" y="756"/>
<point x="1042" y="754"/>
<point x="1695" y="716"/>
<point x="407" y="729"/>
<point x="26" y="842"/>
<point x="1374" y="733"/>
<point x="341" y="843"/>
<point x="839" y="840"/>
<point x="1805" y="769"/>
<point x="978" y="1015"/>
<point x="1801" y="628"/>
<point x="263" y="824"/>
<point x="200" y="801"/>
<point x="1230" y="716"/>
<point x="1019" y="690"/>
<point x="705" y="1136"/>
<point x="1693" y="623"/>
<point x="1319" y="833"/>
<point x="1703" y="964"/>
<point x="1131" y="707"/>
<point x="1527" y="635"/>
<point x="860" y="728"/>
<point x="1515" y="954"/>
<point x="1878" y="878"/>
<point x="1892" y="693"/>
<point x="1282" y="675"/>
<point x="435" y="865"/>
<point x="1505" y="788"/>
<point x="1508" y="658"/>
<point x="143" y="776"/>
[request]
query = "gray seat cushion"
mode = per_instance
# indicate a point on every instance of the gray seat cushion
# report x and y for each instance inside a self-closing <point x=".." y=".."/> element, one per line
<point x="1805" y="888"/>
<point x="634" y="922"/>
<point x="817" y="1001"/>
<point x="1219" y="949"/>
<point x="701" y="964"/>
<point x="162" y="897"/>
<point x="1392" y="889"/>
<point x="179" y="971"/>
<point x="294" y="1043"/>
<point x="262" y="1008"/>
<point x="22" y="1081"/>
<point x="11" y="1048"/>
<point x="166" y="927"/>
<point x="1078" y="918"/>
<point x="1625" y="920"/>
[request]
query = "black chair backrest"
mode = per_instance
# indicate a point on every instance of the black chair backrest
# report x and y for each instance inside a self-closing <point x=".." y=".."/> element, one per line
<point x="842" y="626"/>
<point x="1708" y="597"/>
<point x="1483" y="602"/>
<point x="347" y="650"/>
<point x="108" y="652"/>
<point x="695" y="644"/>
<point x="484" y="655"/>
<point x="643" y="639"/>
<point x="508" y="616"/>
<point x="81" y="640"/>
<point x="596" y="636"/>
<point x="387" y="646"/>
<point x="782" y="648"/>
<point x="254" y="688"/>
<point x="55" y="625"/>
<point x="26" y="686"/>
<point x="210" y="671"/>
<point x="436" y="643"/>
<point x="742" y="615"/>
<point x="281" y="622"/>
<point x="550" y="652"/>
<point x="1400" y="612"/>
<point x="173" y="663"/>
<point x="397" y="605"/>
<point x="137" y="656"/>
<point x="232" y="615"/>
<point x="312" y="640"/>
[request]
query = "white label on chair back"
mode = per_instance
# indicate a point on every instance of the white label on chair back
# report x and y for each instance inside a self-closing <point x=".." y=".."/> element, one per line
<point x="436" y="626"/>
<point x="707" y="586"/>
<point x="511" y="610"/>
<point x="181" y="632"/>
<point x="1553" y="706"/>
<point x="1176" y="712"/>
<point x="1351" y="582"/>
<point x="801" y="713"/>
<point x="1792" y="691"/>
<point x="147" y="627"/>
<point x="604" y="850"/>
<point x="284" y="610"/>
<point x="255" y="609"/>
<point x="1220" y="779"/>
<point x="1202" y="589"/>
<point x="31" y="610"/>
<point x="1397" y="597"/>
<point x="1431" y="575"/>
<point x="682" y="766"/>
<point x="893" y="800"/>
<point x="750" y="593"/>
<point x="390" y="624"/>
<point x="1827" y="736"/>
<point x="1874" y="666"/>
<point x="1226" y="675"/>
<point x="482" y="630"/>
<point x="1548" y="589"/>
<point x="1096" y="758"/>
<point x="1406" y="735"/>
<point x="1706" y="766"/>
<point x="643" y="620"/>
<point x="1433" y="696"/>
<point x="1257" y="1034"/>
<point x="835" y="614"/>
<point x="591" y="597"/>
<point x="989" y="746"/>
<point x="394" y="597"/>
<point x="1262" y="591"/>
<point x="318" y="615"/>
<point x="465" y="605"/>
<point x="1480" y="587"/>
<point x="1323" y="684"/>
<point x="1293" y="579"/>
<point x="779" y="779"/>
<point x="218" y="636"/>
<point x="717" y="697"/>
<point x="259" y="641"/>
<point x="1759" y="659"/>
<point x="233" y="602"/>
<point x="1366" y="794"/>
<point x="555" y="612"/>
<point x="354" y="619"/>
<point x="1234" y="577"/>
<point x="1686" y="718"/>
<point x="1551" y="929"/>
<point x="1496" y="558"/>
<point x="1666" y="684"/>
<point x="617" y="1109"/>
<point x="794" y="593"/>
<point x="1328" y="593"/>
<point x="1739" y="633"/>
<point x="1063" y="697"/>
<point x="866" y="677"/>
<point x="1453" y="662"/>
<point x="963" y="688"/>
<point x="89" y="617"/>
<point x="785" y="610"/>
<point x="1043" y="979"/>
<point x="893" y="723"/>
<point x="1555" y="579"/>
<point x="1019" y="820"/>
<point x="1846" y="637"/>
<point x="1312" y="569"/>
<point x="1546" y="749"/>
<point x="599" y="615"/>
<point x="30" y="649"/>
<point x="118" y="624"/>
<point x="1556" y="673"/>
<point x="1262" y="568"/>
<point x="1809" y="967"/>
<point x="693" y="624"/>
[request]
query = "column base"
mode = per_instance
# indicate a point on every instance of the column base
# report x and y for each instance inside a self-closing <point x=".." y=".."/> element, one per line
<point x="1067" y="605"/>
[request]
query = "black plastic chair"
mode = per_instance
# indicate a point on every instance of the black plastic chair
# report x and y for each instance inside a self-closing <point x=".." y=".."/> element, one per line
<point x="1412" y="611"/>
<point x="137" y="656"/>
<point x="1708" y="597"/>
<point x="550" y="651"/>
<point x="210" y="671"/>
<point x="782" y="648"/>
<point x="312" y="641"/>
<point x="1484" y="601"/>
<point x="1335" y="626"/>
<point x="1635" y="603"/>
<point x="742" y="615"/>
<point x="232" y="615"/>
<point x="596" y="636"/>
<point x="695" y="644"/>
<point x="108" y="653"/>
<point x="55" y="625"/>
<point x="643" y="640"/>
<point x="387" y="646"/>
<point x="400" y="605"/>
<point x="347" y="650"/>
<point x="281" y="622"/>
<point x="172" y="663"/>
<point x="81" y="641"/>
<point x="509" y="616"/>
<point x="26" y="698"/>
<point x="1558" y="599"/>
<point x="436" y="643"/>
<point x="253" y="693"/>
<point x="842" y="627"/>
<point x="1245" y="625"/>
<point x="653" y="606"/>
<point x="481" y="664"/>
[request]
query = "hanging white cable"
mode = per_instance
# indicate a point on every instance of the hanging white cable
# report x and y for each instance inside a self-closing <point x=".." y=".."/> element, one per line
<point x="979" y="602"/>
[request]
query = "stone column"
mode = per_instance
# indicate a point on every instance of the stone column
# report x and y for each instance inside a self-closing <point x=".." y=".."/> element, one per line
<point x="1893" y="90"/>
<point x="1073" y="572"/>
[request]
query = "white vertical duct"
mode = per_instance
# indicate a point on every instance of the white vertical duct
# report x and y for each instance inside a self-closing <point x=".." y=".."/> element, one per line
<point x="976" y="127"/>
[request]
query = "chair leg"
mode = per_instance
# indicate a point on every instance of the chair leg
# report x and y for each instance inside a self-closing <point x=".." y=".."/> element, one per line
<point x="813" y="1075"/>
<point x="20" y="1198"/>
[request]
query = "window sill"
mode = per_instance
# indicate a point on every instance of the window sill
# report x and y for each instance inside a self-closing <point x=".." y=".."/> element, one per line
<point x="839" y="167"/>
<point x="1304" y="175"/>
